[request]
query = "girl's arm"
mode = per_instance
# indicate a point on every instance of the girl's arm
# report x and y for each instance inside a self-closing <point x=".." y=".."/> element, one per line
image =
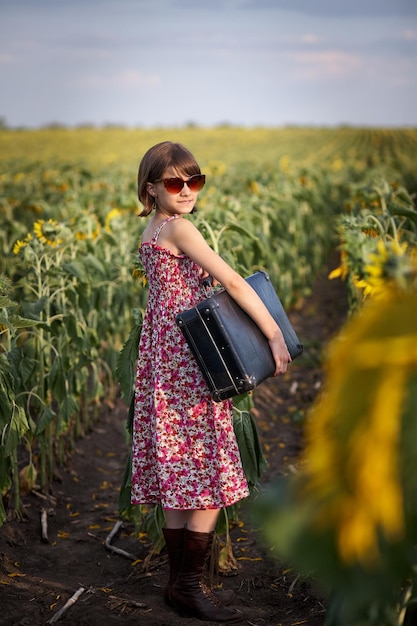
<point x="185" y="236"/>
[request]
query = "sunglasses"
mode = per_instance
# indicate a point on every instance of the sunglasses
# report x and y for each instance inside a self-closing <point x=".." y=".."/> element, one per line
<point x="175" y="185"/>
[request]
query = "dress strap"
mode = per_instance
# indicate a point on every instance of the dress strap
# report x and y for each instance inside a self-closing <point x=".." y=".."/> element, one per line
<point x="160" y="227"/>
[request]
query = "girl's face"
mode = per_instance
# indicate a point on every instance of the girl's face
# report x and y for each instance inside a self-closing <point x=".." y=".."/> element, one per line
<point x="169" y="203"/>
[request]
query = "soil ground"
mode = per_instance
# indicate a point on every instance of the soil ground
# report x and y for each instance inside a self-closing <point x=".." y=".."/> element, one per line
<point x="37" y="578"/>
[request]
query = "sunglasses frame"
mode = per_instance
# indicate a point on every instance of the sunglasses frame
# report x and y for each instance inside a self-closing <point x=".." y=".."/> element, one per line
<point x="200" y="182"/>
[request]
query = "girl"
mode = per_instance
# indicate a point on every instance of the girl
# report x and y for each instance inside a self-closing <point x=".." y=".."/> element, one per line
<point x="185" y="455"/>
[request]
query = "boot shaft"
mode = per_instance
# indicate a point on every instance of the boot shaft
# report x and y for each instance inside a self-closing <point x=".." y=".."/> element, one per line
<point x="197" y="548"/>
<point x="174" y="541"/>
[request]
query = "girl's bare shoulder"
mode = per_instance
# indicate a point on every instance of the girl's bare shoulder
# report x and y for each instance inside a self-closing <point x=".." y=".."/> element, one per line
<point x="182" y="227"/>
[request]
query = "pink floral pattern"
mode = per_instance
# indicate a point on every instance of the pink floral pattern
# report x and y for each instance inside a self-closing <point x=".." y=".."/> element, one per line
<point x="184" y="452"/>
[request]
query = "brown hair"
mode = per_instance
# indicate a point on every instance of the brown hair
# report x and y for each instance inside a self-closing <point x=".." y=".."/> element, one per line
<point x="155" y="162"/>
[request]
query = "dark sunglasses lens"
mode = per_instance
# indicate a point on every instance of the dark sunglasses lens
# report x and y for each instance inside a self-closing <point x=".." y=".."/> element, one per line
<point x="196" y="183"/>
<point x="173" y="185"/>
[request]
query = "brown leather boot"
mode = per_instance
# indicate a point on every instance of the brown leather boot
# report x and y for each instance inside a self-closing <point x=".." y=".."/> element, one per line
<point x="174" y="540"/>
<point x="190" y="595"/>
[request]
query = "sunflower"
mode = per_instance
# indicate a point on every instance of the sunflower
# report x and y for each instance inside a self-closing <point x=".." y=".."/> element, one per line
<point x="284" y="164"/>
<point x="354" y="444"/>
<point x="47" y="232"/>
<point x="88" y="227"/>
<point x="138" y="271"/>
<point x="216" y="168"/>
<point x="22" y="243"/>
<point x="112" y="219"/>
<point x="389" y="263"/>
<point x="343" y="270"/>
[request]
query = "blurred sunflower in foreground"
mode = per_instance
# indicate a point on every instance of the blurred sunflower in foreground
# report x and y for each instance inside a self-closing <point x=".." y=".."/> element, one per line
<point x="349" y="517"/>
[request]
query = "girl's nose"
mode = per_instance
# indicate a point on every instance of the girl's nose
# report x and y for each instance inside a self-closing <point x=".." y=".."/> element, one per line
<point x="185" y="190"/>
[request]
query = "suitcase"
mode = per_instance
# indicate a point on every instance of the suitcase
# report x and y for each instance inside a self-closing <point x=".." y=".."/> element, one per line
<point x="233" y="354"/>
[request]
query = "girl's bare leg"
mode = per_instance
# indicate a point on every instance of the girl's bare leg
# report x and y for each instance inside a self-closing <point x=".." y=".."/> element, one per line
<point x="203" y="521"/>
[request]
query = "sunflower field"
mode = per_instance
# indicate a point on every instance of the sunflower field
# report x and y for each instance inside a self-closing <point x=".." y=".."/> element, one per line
<point x="71" y="289"/>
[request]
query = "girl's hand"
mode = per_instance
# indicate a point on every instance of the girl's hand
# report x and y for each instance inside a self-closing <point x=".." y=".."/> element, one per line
<point x="204" y="275"/>
<point x="280" y="353"/>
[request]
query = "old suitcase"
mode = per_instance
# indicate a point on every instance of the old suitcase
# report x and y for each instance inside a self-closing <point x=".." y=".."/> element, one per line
<point x="233" y="354"/>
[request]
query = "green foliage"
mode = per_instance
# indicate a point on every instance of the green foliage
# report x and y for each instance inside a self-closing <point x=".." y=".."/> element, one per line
<point x="69" y="233"/>
<point x="125" y="370"/>
<point x="253" y="460"/>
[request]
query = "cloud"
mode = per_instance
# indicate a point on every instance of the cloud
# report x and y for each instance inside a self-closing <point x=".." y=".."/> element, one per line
<point x="327" y="8"/>
<point x="127" y="78"/>
<point x="134" y="78"/>
<point x="335" y="65"/>
<point x="309" y="38"/>
<point x="313" y="66"/>
<point x="394" y="72"/>
<point x="409" y="35"/>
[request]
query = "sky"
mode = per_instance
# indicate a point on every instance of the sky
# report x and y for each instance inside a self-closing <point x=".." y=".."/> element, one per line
<point x="164" y="63"/>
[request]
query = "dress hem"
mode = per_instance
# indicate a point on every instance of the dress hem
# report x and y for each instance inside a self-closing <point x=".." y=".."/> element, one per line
<point x="190" y="508"/>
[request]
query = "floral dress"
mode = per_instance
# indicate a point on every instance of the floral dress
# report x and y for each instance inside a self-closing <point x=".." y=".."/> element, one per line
<point x="184" y="452"/>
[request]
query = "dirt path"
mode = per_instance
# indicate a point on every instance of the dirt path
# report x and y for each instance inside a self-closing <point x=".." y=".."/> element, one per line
<point x="36" y="578"/>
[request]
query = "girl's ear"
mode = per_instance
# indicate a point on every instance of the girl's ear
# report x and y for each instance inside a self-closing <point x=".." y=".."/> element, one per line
<point x="151" y="189"/>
